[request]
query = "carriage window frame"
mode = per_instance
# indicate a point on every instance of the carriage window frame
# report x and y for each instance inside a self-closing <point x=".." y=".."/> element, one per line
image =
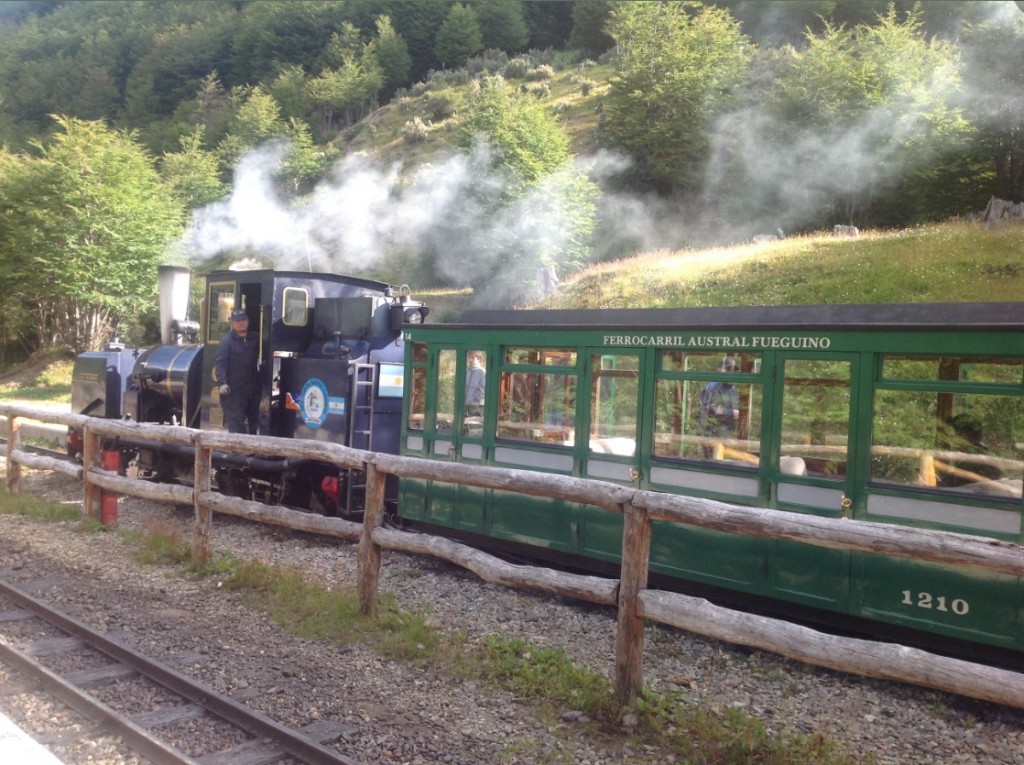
<point x="547" y="366"/>
<point x="290" y="308"/>
<point x="959" y="387"/>
<point x="219" y="312"/>
<point x="415" y="420"/>
<point x="946" y="386"/>
<point x="754" y="377"/>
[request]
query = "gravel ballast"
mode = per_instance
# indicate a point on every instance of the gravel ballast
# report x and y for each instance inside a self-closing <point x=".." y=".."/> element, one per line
<point x="400" y="714"/>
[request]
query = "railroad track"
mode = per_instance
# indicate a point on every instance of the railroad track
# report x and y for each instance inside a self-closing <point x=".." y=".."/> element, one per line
<point x="88" y="659"/>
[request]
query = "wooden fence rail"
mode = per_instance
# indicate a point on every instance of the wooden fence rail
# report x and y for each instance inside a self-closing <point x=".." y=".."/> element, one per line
<point x="635" y="602"/>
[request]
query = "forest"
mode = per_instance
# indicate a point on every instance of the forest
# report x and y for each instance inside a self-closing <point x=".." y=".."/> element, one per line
<point x="473" y="144"/>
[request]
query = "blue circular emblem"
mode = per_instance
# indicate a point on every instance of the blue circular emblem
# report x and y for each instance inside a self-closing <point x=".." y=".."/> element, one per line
<point x="313" y="403"/>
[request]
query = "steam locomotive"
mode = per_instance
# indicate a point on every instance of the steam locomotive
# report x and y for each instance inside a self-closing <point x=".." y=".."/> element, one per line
<point x="903" y="414"/>
<point x="331" y="363"/>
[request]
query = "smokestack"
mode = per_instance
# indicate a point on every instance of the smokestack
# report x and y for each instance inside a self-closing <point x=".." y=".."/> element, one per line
<point x="174" y="290"/>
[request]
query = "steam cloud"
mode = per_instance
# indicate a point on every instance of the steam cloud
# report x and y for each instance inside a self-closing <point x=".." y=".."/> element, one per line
<point x="365" y="213"/>
<point x="445" y="213"/>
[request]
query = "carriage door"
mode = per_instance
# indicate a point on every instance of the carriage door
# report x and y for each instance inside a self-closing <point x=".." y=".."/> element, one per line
<point x="812" y="468"/>
<point x="612" y="452"/>
<point x="455" y="432"/>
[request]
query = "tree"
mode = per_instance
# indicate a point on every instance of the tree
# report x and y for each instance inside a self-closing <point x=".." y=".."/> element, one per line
<point x="588" y="35"/>
<point x="418" y="22"/>
<point x="523" y="137"/>
<point x="529" y="210"/>
<point x="391" y="53"/>
<point x="991" y="52"/>
<point x="678" y="66"/>
<point x="849" y="117"/>
<point x="502" y="25"/>
<point x="273" y="33"/>
<point x="193" y="173"/>
<point x="549" y="23"/>
<point x="85" y="224"/>
<point x="176" y="64"/>
<point x="256" y="119"/>
<point x="459" y="37"/>
<point x="344" y="92"/>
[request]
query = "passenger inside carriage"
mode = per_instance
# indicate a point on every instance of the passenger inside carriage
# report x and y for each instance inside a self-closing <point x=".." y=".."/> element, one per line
<point x="719" y="411"/>
<point x="687" y="393"/>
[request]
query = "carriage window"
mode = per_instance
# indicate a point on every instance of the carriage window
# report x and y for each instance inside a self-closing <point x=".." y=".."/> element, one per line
<point x="536" y="406"/>
<point x="541" y="357"/>
<point x="445" y="404"/>
<point x="418" y="387"/>
<point x="614" y="402"/>
<point x="220" y="302"/>
<point x="962" y="443"/>
<point x="960" y="369"/>
<point x="708" y="420"/>
<point x="418" y="398"/>
<point x="816" y="415"/>
<point x="296" y="303"/>
<point x="474" y="396"/>
<point x="686" y="361"/>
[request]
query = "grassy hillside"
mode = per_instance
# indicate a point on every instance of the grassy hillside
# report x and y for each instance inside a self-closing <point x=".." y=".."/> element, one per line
<point x="955" y="261"/>
<point x="573" y="91"/>
<point x="949" y="262"/>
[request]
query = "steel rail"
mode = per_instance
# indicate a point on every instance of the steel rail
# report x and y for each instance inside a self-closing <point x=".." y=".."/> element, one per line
<point x="136" y="737"/>
<point x="256" y="724"/>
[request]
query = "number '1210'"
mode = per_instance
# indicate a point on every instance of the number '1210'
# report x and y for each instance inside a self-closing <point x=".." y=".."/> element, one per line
<point x="958" y="606"/>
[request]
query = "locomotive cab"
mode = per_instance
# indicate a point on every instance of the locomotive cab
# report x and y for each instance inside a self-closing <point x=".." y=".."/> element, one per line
<point x="324" y="342"/>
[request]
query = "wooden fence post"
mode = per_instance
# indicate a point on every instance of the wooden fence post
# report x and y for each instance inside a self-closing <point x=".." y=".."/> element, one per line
<point x="90" y="459"/>
<point x="629" y="653"/>
<point x="369" y="551"/>
<point x="203" y="513"/>
<point x="13" y="442"/>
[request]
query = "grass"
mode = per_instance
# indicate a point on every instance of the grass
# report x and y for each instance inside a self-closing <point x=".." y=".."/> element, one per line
<point x="50" y="383"/>
<point x="544" y="678"/>
<point x="948" y="262"/>
<point x="32" y="506"/>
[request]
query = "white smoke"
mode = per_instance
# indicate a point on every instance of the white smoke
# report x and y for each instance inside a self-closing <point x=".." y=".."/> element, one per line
<point x="450" y="213"/>
<point x="363" y="213"/>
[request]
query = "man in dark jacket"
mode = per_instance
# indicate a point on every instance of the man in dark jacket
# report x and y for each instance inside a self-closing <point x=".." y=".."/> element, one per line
<point x="719" y="410"/>
<point x="239" y="387"/>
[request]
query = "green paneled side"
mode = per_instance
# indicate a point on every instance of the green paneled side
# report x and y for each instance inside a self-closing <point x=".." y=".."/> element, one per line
<point x="549" y="523"/>
<point x="602" y="533"/>
<point x="412" y="498"/>
<point x="471" y="509"/>
<point x="442" y="504"/>
<point x="970" y="605"/>
<point x="813" y="576"/>
<point x="711" y="557"/>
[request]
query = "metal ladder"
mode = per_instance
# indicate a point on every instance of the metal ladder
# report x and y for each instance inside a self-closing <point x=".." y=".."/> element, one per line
<point x="364" y="383"/>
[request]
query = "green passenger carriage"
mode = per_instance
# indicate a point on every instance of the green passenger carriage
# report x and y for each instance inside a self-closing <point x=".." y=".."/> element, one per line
<point x="909" y="414"/>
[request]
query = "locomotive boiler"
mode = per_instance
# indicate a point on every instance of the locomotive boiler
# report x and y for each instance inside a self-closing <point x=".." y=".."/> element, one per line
<point x="329" y="369"/>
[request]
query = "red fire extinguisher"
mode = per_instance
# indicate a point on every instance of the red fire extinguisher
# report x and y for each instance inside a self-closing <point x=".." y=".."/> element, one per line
<point x="111" y="461"/>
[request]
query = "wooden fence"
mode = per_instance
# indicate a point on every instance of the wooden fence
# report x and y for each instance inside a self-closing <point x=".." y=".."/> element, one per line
<point x="630" y="594"/>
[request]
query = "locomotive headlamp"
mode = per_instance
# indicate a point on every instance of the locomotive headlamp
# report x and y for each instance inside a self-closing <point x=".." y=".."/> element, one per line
<point x="416" y="315"/>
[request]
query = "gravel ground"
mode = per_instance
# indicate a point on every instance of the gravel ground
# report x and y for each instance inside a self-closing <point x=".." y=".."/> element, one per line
<point x="400" y="714"/>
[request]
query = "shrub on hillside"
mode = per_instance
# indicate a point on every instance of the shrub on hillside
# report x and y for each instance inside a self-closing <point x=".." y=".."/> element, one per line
<point x="517" y="68"/>
<point x="542" y="72"/>
<point x="415" y="131"/>
<point x="442" y="105"/>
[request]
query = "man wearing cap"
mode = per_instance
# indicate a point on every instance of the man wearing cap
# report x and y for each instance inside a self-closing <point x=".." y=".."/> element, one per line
<point x="239" y="388"/>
